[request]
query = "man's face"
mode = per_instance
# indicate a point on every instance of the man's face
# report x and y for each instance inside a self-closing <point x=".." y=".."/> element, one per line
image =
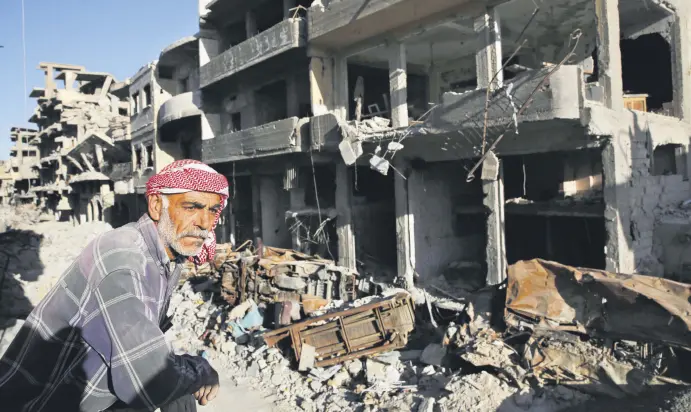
<point x="184" y="220"/>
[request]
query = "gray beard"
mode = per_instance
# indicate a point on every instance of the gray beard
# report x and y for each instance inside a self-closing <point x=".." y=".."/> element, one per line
<point x="166" y="231"/>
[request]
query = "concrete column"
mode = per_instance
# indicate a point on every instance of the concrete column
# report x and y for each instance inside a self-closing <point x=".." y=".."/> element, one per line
<point x="489" y="58"/>
<point x="340" y="87"/>
<point x="495" y="248"/>
<point x="398" y="85"/>
<point x="321" y="83"/>
<point x="292" y="95"/>
<point x="287" y="5"/>
<point x="434" y="85"/>
<point x="609" y="52"/>
<point x="405" y="224"/>
<point x="681" y="64"/>
<point x="70" y="77"/>
<point x="616" y="170"/>
<point x="250" y="24"/>
<point x="344" y="223"/>
<point x="249" y="116"/>
<point x="256" y="207"/>
<point x="294" y="186"/>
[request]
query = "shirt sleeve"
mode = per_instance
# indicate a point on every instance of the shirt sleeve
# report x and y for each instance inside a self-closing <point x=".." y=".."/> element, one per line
<point x="143" y="370"/>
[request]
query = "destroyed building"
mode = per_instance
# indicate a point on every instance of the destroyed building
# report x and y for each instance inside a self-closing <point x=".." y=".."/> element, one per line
<point x="6" y="182"/>
<point x="23" y="164"/>
<point x="452" y="138"/>
<point x="75" y="157"/>
<point x="344" y="130"/>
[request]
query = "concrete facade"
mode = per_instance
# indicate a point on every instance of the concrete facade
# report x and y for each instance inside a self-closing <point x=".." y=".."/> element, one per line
<point x="436" y="141"/>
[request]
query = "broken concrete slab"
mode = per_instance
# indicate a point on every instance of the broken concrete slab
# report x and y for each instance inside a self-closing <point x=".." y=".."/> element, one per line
<point x="433" y="354"/>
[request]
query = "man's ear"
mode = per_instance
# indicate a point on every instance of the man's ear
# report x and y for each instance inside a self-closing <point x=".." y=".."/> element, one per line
<point x="155" y="203"/>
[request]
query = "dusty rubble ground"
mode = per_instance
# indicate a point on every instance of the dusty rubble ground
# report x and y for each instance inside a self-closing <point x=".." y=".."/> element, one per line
<point x="34" y="252"/>
<point x="458" y="356"/>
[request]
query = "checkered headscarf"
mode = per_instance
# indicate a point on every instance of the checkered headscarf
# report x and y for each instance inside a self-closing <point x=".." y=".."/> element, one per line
<point x="191" y="176"/>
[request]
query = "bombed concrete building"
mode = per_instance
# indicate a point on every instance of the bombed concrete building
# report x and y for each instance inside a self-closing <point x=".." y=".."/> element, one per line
<point x="23" y="165"/>
<point x="451" y="137"/>
<point x="76" y="157"/>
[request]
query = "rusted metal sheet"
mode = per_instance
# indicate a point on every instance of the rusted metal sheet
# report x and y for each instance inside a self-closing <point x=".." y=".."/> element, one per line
<point x="550" y="295"/>
<point x="337" y="337"/>
<point x="569" y="361"/>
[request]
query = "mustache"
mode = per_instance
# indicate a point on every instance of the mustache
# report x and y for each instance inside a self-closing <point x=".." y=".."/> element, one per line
<point x="195" y="233"/>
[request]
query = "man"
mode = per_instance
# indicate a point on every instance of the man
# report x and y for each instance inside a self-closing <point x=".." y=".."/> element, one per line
<point x="95" y="342"/>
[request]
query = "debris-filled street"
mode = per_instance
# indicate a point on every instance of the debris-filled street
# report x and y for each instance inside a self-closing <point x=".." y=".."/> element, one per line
<point x="313" y="334"/>
<point x="297" y="332"/>
<point x="347" y="205"/>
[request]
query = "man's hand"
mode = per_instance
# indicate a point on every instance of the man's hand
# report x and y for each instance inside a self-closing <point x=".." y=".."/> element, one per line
<point x="208" y="392"/>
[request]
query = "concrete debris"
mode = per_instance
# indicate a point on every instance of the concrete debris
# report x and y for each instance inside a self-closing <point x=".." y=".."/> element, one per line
<point x="350" y="151"/>
<point x="379" y="164"/>
<point x="278" y="275"/>
<point x="369" y="351"/>
<point x="433" y="354"/>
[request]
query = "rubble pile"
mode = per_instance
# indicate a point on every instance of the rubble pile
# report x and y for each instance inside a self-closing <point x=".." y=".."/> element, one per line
<point x="317" y="335"/>
<point x="15" y="216"/>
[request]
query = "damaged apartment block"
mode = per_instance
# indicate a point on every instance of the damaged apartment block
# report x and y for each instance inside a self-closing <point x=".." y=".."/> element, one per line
<point x="70" y="164"/>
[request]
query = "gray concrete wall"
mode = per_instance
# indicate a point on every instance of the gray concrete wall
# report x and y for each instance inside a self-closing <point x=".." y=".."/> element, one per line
<point x="638" y="201"/>
<point x="433" y="194"/>
<point x="274" y="203"/>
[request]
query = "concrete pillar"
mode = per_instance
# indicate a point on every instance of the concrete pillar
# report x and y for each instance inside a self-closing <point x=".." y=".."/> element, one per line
<point x="495" y="248"/>
<point x="321" y="83"/>
<point x="293" y="96"/>
<point x="616" y="170"/>
<point x="489" y="58"/>
<point x="340" y="87"/>
<point x="250" y="24"/>
<point x="344" y="222"/>
<point x="405" y="224"/>
<point x="256" y="207"/>
<point x="434" y="85"/>
<point x="293" y="185"/>
<point x="609" y="52"/>
<point x="287" y="5"/>
<point x="681" y="64"/>
<point x="70" y="77"/>
<point x="398" y="84"/>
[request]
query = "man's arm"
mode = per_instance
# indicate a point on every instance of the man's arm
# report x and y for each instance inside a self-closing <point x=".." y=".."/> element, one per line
<point x="143" y="371"/>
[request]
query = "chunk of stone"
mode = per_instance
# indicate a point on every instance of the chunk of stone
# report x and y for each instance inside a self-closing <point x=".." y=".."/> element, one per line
<point x="289" y="282"/>
<point x="427" y="405"/>
<point x="433" y="354"/>
<point x="354" y="367"/>
<point x="307" y="357"/>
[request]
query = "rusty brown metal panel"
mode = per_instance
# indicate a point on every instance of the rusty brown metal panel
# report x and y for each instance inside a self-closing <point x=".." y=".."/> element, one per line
<point x="555" y="296"/>
<point x="356" y="332"/>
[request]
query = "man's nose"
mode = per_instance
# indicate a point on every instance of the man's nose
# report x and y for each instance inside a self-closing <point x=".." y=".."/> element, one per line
<point x="205" y="220"/>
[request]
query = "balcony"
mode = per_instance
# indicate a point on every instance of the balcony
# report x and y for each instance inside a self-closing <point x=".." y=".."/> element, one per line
<point x="142" y="122"/>
<point x="285" y="36"/>
<point x="179" y="107"/>
<point x="283" y="136"/>
<point x="349" y="22"/>
<point x="454" y="128"/>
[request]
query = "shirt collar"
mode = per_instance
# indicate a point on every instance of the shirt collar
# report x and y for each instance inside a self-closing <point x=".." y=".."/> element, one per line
<point x="147" y="228"/>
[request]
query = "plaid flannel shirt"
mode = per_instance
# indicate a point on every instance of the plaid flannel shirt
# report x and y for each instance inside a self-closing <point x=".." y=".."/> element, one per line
<point x="96" y="338"/>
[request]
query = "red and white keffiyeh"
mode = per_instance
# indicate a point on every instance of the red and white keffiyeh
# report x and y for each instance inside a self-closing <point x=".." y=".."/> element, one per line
<point x="192" y="176"/>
